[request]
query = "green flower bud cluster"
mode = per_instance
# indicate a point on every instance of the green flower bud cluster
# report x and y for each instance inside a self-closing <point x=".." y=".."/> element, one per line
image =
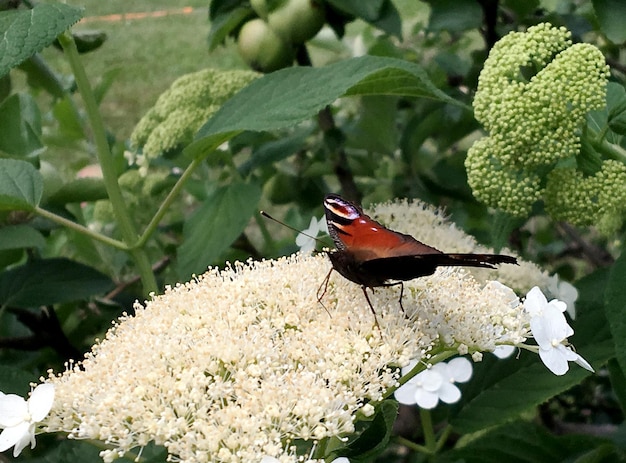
<point x="533" y="95"/>
<point x="182" y="109"/>
<point x="598" y="200"/>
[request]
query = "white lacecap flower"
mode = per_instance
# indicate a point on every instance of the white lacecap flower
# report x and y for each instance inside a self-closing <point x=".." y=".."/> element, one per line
<point x="565" y="292"/>
<point x="306" y="239"/>
<point x="551" y="330"/>
<point x="19" y="417"/>
<point x="430" y="386"/>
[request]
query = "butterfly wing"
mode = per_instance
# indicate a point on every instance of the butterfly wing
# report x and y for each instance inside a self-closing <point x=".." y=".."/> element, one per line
<point x="356" y="233"/>
<point x="414" y="266"/>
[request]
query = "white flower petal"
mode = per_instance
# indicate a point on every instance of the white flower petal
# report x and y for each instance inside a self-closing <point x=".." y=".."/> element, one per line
<point x="554" y="360"/>
<point x="426" y="399"/>
<point x="583" y="363"/>
<point x="449" y="393"/>
<point x="460" y="369"/>
<point x="15" y="435"/>
<point x="267" y="459"/>
<point x="40" y="401"/>
<point x="503" y="352"/>
<point x="341" y="460"/>
<point x="535" y="301"/>
<point x="429" y="380"/>
<point x="13" y="410"/>
<point x="406" y="394"/>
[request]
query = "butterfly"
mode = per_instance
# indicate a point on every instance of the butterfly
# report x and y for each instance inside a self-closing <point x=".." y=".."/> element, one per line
<point x="372" y="256"/>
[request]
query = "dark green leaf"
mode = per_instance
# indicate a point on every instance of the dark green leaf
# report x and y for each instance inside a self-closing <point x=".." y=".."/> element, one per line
<point x="21" y="126"/>
<point x="372" y="436"/>
<point x="50" y="281"/>
<point x="500" y="390"/>
<point x="521" y="8"/>
<point x="26" y="32"/>
<point x="615" y="298"/>
<point x="528" y="443"/>
<point x="274" y="151"/>
<point x="224" y="24"/>
<point x="368" y="11"/>
<point x="79" y="190"/>
<point x="70" y="126"/>
<point x="289" y="96"/>
<point x="40" y="75"/>
<point x="616" y="106"/>
<point x="21" y="185"/>
<point x="376" y="129"/>
<point x="454" y="15"/>
<point x="215" y="225"/>
<point x="389" y="20"/>
<point x="14" y="380"/>
<point x="611" y="14"/>
<point x="618" y="381"/>
<point x="19" y="237"/>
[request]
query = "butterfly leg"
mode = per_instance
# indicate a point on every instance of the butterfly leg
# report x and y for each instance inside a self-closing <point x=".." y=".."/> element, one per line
<point x="367" y="298"/>
<point x="401" y="283"/>
<point x="323" y="291"/>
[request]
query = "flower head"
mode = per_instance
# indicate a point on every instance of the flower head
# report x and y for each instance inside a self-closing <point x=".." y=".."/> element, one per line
<point x="430" y="386"/>
<point x="533" y="95"/>
<point x="184" y="107"/>
<point x="233" y="365"/>
<point x="19" y="417"/>
<point x="551" y="330"/>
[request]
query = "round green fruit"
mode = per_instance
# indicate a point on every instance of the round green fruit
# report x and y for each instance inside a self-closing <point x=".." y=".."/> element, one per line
<point x="262" y="49"/>
<point x="297" y="21"/>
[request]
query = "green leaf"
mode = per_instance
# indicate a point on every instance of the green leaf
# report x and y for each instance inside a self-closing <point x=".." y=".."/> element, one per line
<point x="50" y="281"/>
<point x="26" y="32"/>
<point x="615" y="298"/>
<point x="528" y="443"/>
<point x="373" y="436"/>
<point x="224" y="24"/>
<point x="376" y="128"/>
<point x="454" y="15"/>
<point x="215" y="225"/>
<point x="368" y="11"/>
<point x="500" y="390"/>
<point x="287" y="97"/>
<point x="82" y="189"/>
<point x="618" y="381"/>
<point x="611" y="14"/>
<point x="616" y="107"/>
<point x="274" y="151"/>
<point x="40" y="75"/>
<point x="14" y="380"/>
<point x="19" y="237"/>
<point x="21" y="185"/>
<point x="21" y="126"/>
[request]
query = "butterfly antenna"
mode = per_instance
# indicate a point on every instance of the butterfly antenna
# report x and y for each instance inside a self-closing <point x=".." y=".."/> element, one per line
<point x="267" y="216"/>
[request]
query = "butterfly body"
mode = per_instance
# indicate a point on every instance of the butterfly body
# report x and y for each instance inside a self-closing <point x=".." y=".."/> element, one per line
<point x="371" y="255"/>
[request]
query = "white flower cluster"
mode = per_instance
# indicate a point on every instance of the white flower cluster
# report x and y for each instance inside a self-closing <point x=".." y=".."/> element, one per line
<point x="240" y="363"/>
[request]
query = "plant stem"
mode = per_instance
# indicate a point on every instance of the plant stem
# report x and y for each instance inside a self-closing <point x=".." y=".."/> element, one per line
<point x="81" y="229"/>
<point x="167" y="202"/>
<point x="429" y="433"/>
<point x="105" y="158"/>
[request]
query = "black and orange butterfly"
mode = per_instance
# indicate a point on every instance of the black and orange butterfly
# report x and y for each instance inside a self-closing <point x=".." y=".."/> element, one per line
<point x="371" y="255"/>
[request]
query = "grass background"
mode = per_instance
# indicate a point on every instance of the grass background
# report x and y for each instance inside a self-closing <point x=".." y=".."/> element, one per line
<point x="149" y="53"/>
